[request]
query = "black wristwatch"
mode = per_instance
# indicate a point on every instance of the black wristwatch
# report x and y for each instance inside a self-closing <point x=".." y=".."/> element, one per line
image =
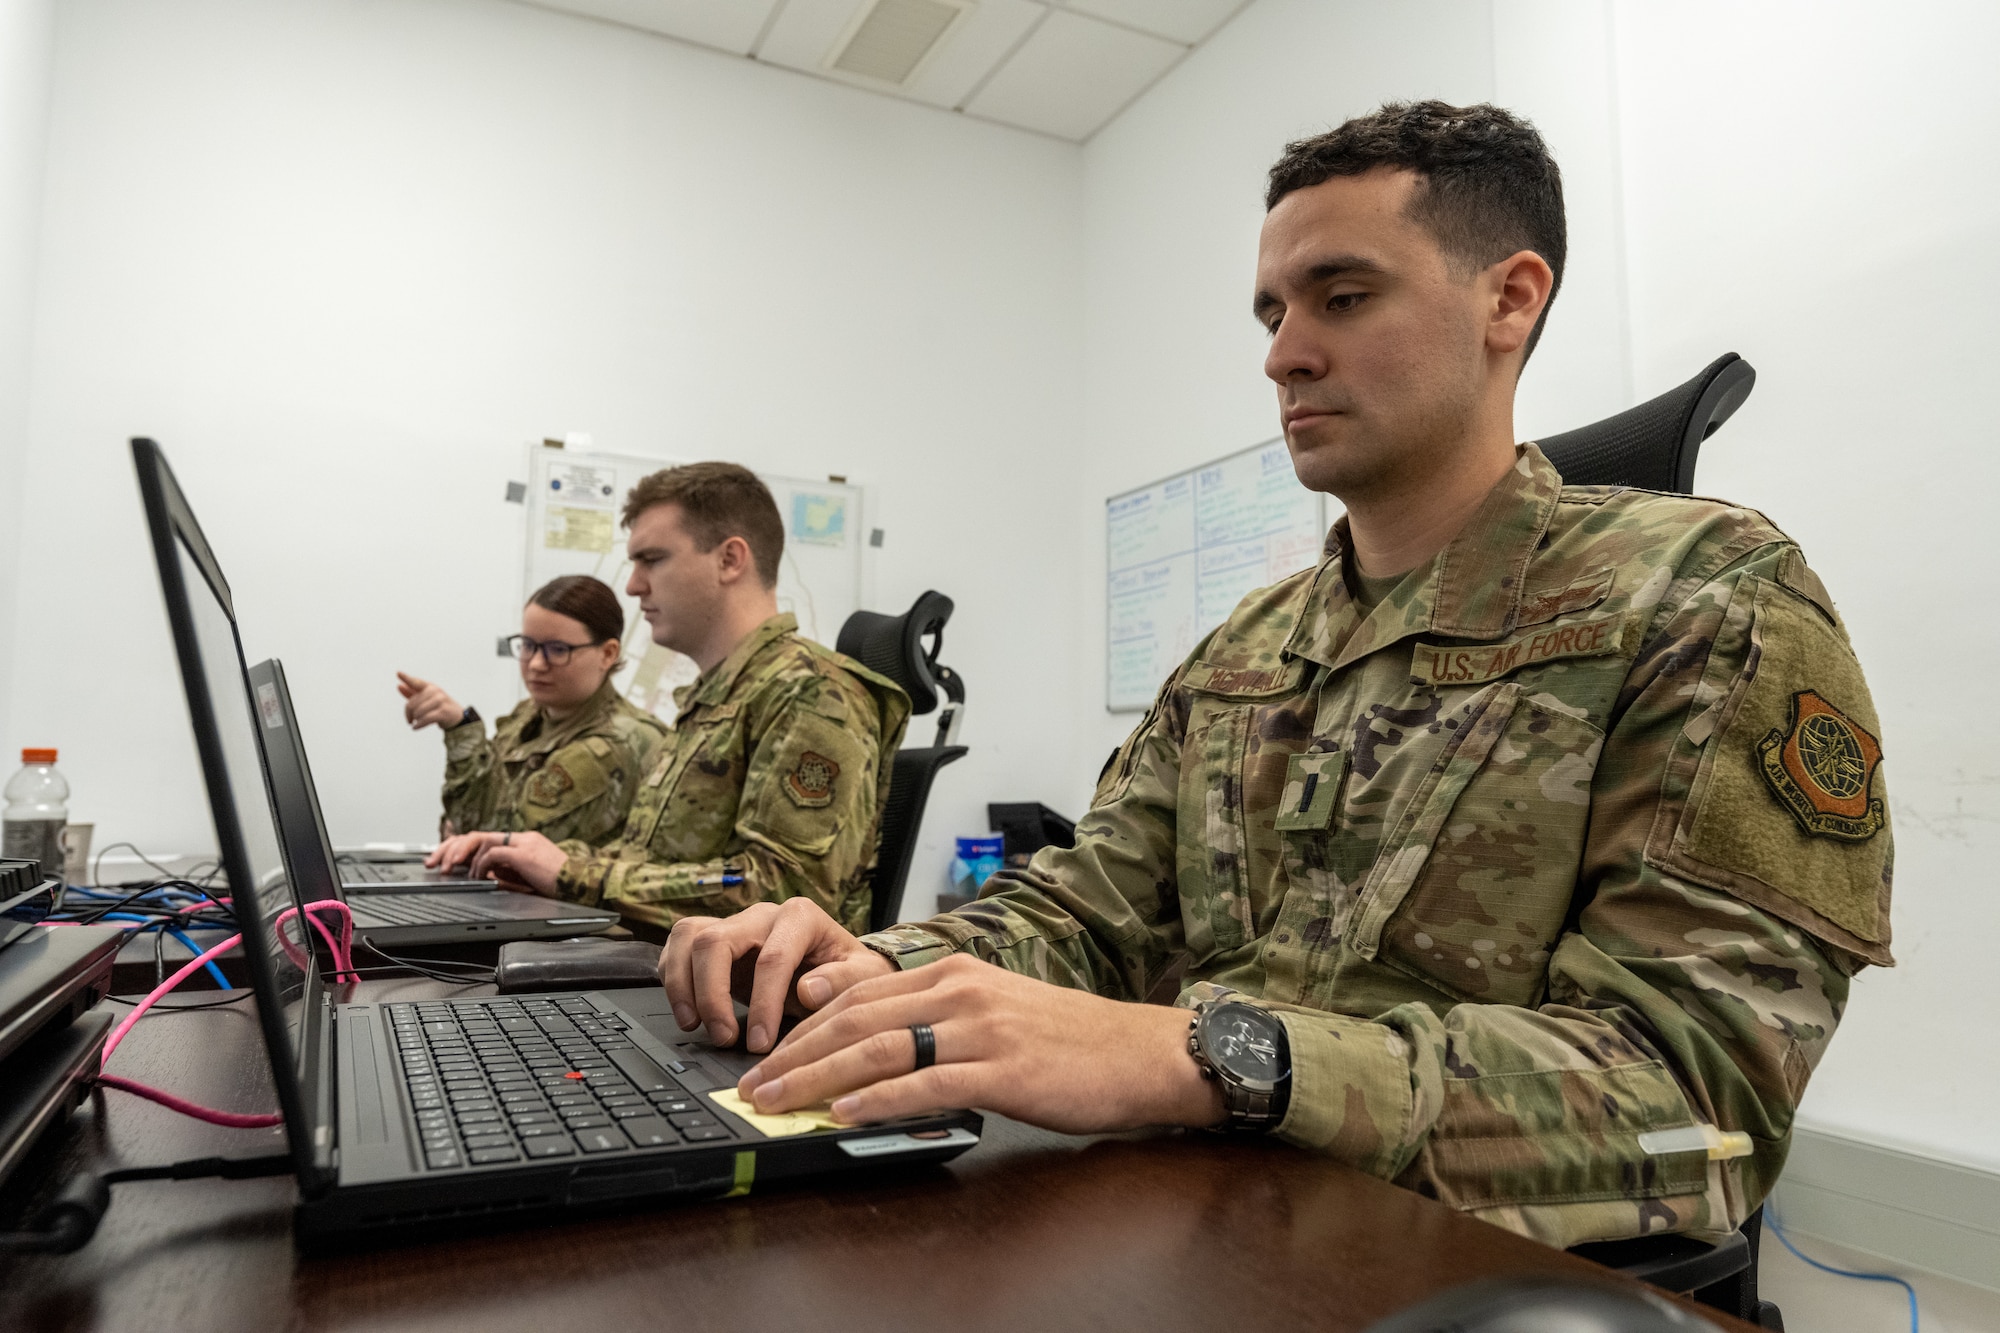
<point x="1244" y="1048"/>
<point x="469" y="715"/>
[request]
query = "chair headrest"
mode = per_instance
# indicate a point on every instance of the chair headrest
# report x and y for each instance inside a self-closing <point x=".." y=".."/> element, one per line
<point x="1654" y="446"/>
<point x="894" y="646"/>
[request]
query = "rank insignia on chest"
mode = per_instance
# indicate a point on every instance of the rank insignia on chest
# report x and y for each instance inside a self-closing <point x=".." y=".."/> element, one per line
<point x="1312" y="790"/>
<point x="1822" y="769"/>
<point x="811" y="780"/>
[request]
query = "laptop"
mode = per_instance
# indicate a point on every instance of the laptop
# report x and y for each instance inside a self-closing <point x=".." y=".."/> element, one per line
<point x="481" y="912"/>
<point x="405" y="1119"/>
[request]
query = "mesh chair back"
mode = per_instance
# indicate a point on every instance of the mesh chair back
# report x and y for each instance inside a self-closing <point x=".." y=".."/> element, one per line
<point x="894" y="646"/>
<point x="1653" y="446"/>
<point x="909" y="791"/>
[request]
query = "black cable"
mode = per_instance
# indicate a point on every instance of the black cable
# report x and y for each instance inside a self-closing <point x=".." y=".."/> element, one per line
<point x="486" y="974"/>
<point x="240" y="995"/>
<point x="200" y="1168"/>
<point x="69" y="1220"/>
<point x="97" y="862"/>
<point x="95" y="914"/>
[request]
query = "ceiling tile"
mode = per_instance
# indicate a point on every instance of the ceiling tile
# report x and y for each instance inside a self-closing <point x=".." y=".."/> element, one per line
<point x="805" y="31"/>
<point x="727" y="25"/>
<point x="970" y="54"/>
<point x="1189" y="21"/>
<point x="1072" y="75"/>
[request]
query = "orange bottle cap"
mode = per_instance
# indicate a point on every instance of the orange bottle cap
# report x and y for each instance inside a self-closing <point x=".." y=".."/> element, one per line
<point x="38" y="756"/>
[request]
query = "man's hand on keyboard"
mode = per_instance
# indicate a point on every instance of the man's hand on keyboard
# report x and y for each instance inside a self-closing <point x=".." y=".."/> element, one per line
<point x="764" y="955"/>
<point x="525" y="861"/>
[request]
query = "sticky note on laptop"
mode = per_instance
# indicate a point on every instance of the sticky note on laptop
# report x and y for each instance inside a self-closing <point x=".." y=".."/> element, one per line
<point x="805" y="1120"/>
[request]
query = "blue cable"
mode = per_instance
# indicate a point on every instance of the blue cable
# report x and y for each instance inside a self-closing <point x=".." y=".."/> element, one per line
<point x="223" y="981"/>
<point x="1771" y="1221"/>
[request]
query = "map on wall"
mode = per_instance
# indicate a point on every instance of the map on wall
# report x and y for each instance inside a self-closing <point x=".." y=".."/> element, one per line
<point x="1181" y="553"/>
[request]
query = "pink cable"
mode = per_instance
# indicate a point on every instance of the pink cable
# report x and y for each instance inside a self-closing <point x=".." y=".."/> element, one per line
<point x="232" y="1119"/>
<point x="343" y="958"/>
<point x="159" y="992"/>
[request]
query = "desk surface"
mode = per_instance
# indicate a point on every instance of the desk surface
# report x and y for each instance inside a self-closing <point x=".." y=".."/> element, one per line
<point x="1030" y="1230"/>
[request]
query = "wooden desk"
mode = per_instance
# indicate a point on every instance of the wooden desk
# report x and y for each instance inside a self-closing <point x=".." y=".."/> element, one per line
<point x="1029" y="1231"/>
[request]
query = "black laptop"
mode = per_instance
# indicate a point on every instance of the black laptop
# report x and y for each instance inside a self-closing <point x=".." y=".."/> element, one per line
<point x="483" y="913"/>
<point x="410" y="1118"/>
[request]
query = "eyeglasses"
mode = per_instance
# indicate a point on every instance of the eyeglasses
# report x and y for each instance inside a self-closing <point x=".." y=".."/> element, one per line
<point x="554" y="650"/>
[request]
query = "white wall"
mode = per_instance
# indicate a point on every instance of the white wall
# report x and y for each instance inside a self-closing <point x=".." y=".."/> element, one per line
<point x="344" y="259"/>
<point x="26" y="54"/>
<point x="1812" y="185"/>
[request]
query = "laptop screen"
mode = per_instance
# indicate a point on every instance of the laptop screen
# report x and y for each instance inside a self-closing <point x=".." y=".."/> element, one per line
<point x="200" y="613"/>
<point x="300" y="820"/>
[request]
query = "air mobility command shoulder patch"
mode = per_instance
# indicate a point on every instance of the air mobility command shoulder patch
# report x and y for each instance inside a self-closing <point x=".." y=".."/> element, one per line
<point x="810" y="782"/>
<point x="1822" y="770"/>
<point x="549" y="786"/>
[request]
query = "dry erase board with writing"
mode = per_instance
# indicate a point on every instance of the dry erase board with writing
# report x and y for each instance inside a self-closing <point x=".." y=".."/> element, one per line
<point x="1181" y="553"/>
<point x="573" y="500"/>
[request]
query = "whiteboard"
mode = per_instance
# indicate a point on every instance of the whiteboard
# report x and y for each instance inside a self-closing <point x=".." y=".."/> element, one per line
<point x="1181" y="553"/>
<point x="573" y="500"/>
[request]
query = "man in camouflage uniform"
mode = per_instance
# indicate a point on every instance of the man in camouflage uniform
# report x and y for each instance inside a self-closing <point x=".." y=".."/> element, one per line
<point x="1542" y="818"/>
<point x="771" y="785"/>
<point x="571" y="779"/>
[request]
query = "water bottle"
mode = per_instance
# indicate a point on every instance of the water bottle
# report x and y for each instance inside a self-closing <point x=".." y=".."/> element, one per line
<point x="976" y="862"/>
<point x="37" y="809"/>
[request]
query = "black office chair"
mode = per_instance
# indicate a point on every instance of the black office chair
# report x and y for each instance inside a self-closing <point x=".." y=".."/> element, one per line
<point x="1654" y="447"/>
<point x="894" y="646"/>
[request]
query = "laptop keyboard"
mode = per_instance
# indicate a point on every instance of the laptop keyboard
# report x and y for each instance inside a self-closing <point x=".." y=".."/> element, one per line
<point x="418" y="909"/>
<point x="379" y="872"/>
<point x="507" y="1080"/>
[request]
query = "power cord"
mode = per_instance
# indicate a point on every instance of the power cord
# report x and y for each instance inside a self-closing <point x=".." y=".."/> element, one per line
<point x="1776" y="1228"/>
<point x="68" y="1221"/>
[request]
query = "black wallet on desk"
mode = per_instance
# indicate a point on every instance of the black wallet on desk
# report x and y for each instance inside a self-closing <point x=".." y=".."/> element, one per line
<point x="583" y="963"/>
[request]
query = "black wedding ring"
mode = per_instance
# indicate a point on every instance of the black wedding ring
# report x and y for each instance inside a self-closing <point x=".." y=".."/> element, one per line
<point x="926" y="1044"/>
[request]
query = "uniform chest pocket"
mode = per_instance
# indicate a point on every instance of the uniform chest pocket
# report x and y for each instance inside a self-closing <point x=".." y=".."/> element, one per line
<point x="1472" y="887"/>
<point x="700" y="760"/>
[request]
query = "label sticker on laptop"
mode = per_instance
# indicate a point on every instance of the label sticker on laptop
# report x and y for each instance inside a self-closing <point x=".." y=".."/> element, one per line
<point x="805" y="1120"/>
<point x="267" y="706"/>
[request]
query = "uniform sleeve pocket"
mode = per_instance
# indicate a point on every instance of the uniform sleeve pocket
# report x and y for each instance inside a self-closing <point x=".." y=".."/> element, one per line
<point x="806" y="782"/>
<point x="573" y="777"/>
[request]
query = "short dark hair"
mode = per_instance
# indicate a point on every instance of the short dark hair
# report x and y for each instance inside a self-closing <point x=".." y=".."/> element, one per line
<point x="1489" y="187"/>
<point x="718" y="501"/>
<point x="588" y="602"/>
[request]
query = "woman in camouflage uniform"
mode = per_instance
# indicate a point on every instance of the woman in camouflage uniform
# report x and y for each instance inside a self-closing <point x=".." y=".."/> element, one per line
<point x="566" y="762"/>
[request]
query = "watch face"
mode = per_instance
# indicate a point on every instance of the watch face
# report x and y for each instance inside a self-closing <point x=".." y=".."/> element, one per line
<point x="1244" y="1041"/>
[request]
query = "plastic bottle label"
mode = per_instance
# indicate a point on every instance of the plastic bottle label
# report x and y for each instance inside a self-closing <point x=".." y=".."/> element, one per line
<point x="37" y="840"/>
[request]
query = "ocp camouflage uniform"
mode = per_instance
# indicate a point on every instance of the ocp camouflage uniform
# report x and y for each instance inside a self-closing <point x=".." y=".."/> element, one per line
<point x="770" y="787"/>
<point x="1578" y="834"/>
<point x="570" y="779"/>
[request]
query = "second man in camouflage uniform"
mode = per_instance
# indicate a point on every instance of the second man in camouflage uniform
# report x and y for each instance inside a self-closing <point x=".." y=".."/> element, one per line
<point x="772" y="783"/>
